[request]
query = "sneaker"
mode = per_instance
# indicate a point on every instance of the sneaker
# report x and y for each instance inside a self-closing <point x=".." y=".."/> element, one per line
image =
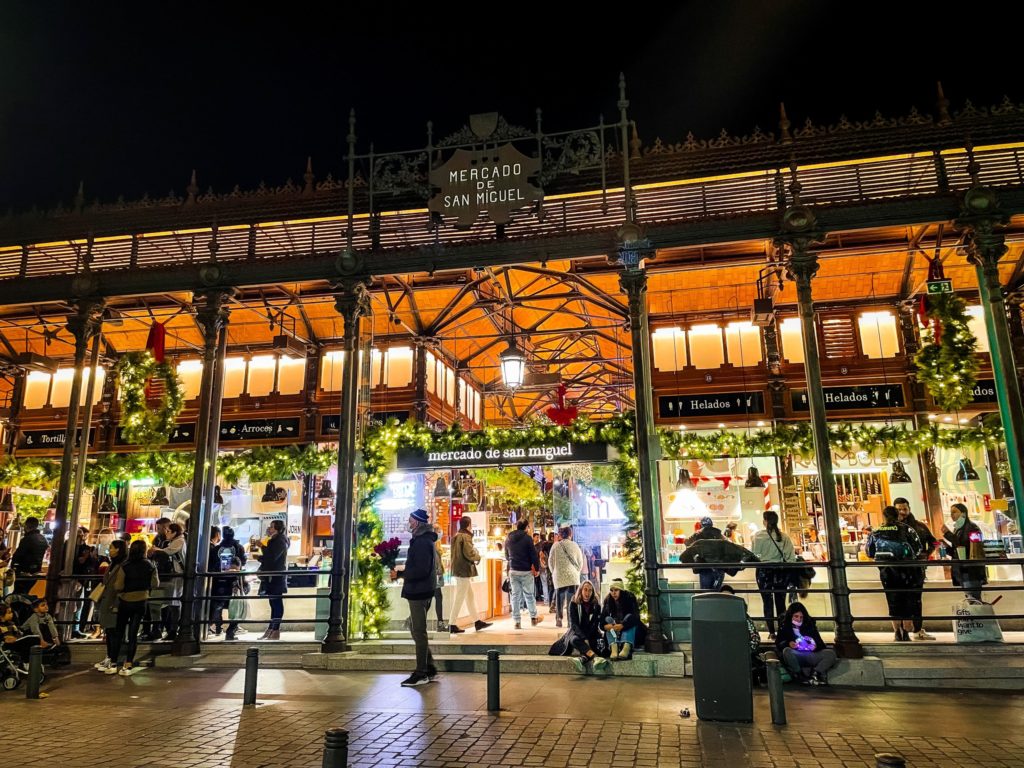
<point x="534" y="621"/>
<point x="600" y="663"/>
<point x="128" y="671"/>
<point x="577" y="664"/>
<point x="455" y="629"/>
<point x="111" y="670"/>
<point x="922" y="635"/>
<point x="518" y="625"/>
<point x="415" y="679"/>
<point x="819" y="678"/>
<point x="76" y="635"/>
<point x="102" y="665"/>
<point x="481" y="625"/>
<point x="432" y="675"/>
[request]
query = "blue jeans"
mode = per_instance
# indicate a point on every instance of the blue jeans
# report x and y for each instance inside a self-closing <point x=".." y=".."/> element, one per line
<point x="563" y="597"/>
<point x="522" y="588"/>
<point x="711" y="579"/>
<point x="625" y="636"/>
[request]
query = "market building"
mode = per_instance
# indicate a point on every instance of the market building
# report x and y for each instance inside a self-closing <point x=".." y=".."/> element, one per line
<point x="576" y="327"/>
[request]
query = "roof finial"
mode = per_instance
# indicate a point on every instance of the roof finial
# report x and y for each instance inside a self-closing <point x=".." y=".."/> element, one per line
<point x="308" y="177"/>
<point x="784" y="135"/>
<point x="942" y="104"/>
<point x="634" y="143"/>
<point x="192" y="189"/>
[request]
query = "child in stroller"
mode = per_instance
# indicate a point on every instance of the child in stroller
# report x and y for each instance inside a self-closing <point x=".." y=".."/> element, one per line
<point x="14" y="649"/>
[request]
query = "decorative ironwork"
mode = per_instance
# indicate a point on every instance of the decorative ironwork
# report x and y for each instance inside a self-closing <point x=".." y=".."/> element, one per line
<point x="400" y="173"/>
<point x="502" y="132"/>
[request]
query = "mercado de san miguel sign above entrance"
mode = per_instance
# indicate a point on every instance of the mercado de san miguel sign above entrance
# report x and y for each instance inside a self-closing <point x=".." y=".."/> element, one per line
<point x="560" y="453"/>
<point x="493" y="179"/>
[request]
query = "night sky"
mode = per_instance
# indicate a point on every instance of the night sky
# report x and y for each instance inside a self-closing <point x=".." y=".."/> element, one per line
<point x="129" y="100"/>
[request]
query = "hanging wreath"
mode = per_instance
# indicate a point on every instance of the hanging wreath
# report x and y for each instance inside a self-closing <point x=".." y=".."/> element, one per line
<point x="138" y="373"/>
<point x="947" y="364"/>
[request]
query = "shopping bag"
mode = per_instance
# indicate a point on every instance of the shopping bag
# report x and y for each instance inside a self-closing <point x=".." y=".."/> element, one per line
<point x="976" y="623"/>
<point x="238" y="610"/>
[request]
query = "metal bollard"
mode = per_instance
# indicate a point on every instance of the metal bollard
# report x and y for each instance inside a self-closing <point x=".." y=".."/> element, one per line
<point x="252" y="666"/>
<point x="335" y="748"/>
<point x="493" y="681"/>
<point x="35" y="672"/>
<point x="889" y="760"/>
<point x="776" y="696"/>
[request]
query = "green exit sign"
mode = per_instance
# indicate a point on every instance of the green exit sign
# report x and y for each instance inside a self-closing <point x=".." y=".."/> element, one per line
<point x="940" y="286"/>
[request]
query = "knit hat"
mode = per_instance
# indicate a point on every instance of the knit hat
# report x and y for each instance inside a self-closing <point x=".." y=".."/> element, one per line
<point x="706" y="522"/>
<point x="616" y="584"/>
<point x="420" y="515"/>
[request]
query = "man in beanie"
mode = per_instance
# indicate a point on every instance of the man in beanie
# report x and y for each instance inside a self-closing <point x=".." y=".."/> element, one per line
<point x="707" y="531"/>
<point x="418" y="583"/>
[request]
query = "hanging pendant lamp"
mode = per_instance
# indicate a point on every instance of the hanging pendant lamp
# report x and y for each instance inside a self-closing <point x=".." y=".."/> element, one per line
<point x="108" y="507"/>
<point x="160" y="498"/>
<point x="753" y="478"/>
<point x="7" y="505"/>
<point x="218" y="497"/>
<point x="440" y="487"/>
<point x="898" y="473"/>
<point x="325" y="492"/>
<point x="471" y="495"/>
<point x="456" y="491"/>
<point x="683" y="481"/>
<point x="269" y="493"/>
<point x="967" y="472"/>
<point x="513" y="365"/>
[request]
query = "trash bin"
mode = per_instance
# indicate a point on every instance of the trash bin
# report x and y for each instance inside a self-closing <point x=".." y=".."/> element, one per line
<point x="721" y="658"/>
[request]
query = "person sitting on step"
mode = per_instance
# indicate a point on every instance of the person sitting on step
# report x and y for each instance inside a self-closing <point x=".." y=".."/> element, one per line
<point x="621" y="620"/>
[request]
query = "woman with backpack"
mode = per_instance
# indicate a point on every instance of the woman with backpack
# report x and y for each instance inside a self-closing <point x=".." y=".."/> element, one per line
<point x="892" y="542"/>
<point x="773" y="546"/>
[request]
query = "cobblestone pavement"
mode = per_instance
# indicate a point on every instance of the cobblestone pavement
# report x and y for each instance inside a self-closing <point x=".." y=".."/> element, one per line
<point x="194" y="719"/>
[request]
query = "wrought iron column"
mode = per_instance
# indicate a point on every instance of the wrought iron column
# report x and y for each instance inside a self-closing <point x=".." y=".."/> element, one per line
<point x="420" y="382"/>
<point x="980" y="218"/>
<point x="633" y="281"/>
<point x="352" y="302"/>
<point x="212" y="316"/>
<point x="799" y="235"/>
<point x="84" y="324"/>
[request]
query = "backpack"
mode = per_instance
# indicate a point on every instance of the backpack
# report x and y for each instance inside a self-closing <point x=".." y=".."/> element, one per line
<point x="163" y="563"/>
<point x="893" y="549"/>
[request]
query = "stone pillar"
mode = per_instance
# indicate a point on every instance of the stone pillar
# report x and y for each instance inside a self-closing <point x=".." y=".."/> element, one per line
<point x="633" y="281"/>
<point x="798" y="237"/>
<point x="353" y="302"/>
<point x="84" y="324"/>
<point x="212" y="317"/>
<point x="981" y="219"/>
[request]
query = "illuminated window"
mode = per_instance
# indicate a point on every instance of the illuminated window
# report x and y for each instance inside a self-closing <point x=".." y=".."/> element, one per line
<point x="977" y="326"/>
<point x="376" y="367"/>
<point x="191" y="374"/>
<point x="668" y="349"/>
<point x="743" y="343"/>
<point x="706" y="346"/>
<point x="449" y="385"/>
<point x="234" y="376"/>
<point x="60" y="395"/>
<point x="792" y="340"/>
<point x="878" y="334"/>
<point x="330" y="371"/>
<point x="463" y="401"/>
<point x="37" y="390"/>
<point x="260" y="381"/>
<point x="478" y="408"/>
<point x="431" y="372"/>
<point x="291" y="375"/>
<point x="398" y="367"/>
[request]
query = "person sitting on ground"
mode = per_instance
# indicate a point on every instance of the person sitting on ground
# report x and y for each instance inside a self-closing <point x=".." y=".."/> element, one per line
<point x="584" y="632"/>
<point x="803" y="651"/>
<point x="714" y="550"/>
<point x="621" y="614"/>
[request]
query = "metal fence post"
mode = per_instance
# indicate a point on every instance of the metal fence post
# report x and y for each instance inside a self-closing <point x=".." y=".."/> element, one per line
<point x="776" y="696"/>
<point x="335" y="748"/>
<point x="35" y="672"/>
<point x="252" y="666"/>
<point x="493" y="681"/>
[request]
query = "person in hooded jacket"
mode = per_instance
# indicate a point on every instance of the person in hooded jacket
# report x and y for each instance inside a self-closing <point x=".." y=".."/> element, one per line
<point x="916" y="578"/>
<point x="273" y="562"/>
<point x="419" y="580"/>
<point x="965" y="533"/>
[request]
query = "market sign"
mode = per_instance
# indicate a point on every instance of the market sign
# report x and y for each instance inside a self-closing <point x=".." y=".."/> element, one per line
<point x="181" y="434"/>
<point x="984" y="391"/>
<point x="41" y="439"/>
<point x="717" y="404"/>
<point x="260" y="429"/>
<point x="330" y="424"/>
<point x="854" y="398"/>
<point x="555" y="453"/>
<point x="492" y="180"/>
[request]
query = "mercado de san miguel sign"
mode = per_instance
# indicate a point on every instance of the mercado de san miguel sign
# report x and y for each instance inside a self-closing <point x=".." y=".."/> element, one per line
<point x="492" y="180"/>
<point x="557" y="453"/>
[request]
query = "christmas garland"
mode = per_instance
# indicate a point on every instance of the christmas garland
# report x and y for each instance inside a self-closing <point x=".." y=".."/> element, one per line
<point x="947" y="364"/>
<point x="139" y="424"/>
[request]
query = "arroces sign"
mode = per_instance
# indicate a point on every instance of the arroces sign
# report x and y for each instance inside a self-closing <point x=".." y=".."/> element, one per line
<point x="560" y="453"/>
<point x="259" y="429"/>
<point x="495" y="181"/>
<point x="854" y="398"/>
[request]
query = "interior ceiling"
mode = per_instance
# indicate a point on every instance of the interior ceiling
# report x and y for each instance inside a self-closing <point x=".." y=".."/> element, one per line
<point x="569" y="317"/>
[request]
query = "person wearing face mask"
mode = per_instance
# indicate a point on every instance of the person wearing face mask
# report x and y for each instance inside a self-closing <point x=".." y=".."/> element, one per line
<point x="960" y="540"/>
<point x="419" y="579"/>
<point x="803" y="651"/>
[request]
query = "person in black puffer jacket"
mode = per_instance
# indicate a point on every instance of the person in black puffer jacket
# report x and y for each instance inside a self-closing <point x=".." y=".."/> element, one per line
<point x="274" y="558"/>
<point x="419" y="579"/>
<point x="893" y="542"/>
<point x="27" y="562"/>
<point x="584" y="634"/>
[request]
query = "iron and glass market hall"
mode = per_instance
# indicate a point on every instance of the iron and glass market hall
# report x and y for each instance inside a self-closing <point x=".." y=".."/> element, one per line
<point x="589" y="329"/>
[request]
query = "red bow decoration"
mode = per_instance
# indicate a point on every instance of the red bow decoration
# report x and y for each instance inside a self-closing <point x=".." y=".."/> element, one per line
<point x="155" y="344"/>
<point x="561" y="415"/>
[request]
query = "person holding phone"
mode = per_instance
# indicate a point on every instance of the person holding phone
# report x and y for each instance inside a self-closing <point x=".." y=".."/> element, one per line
<point x="960" y="540"/>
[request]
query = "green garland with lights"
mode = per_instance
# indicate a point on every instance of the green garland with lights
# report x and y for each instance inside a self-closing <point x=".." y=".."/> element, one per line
<point x="948" y="366"/>
<point x="380" y="444"/>
<point x="139" y="424"/>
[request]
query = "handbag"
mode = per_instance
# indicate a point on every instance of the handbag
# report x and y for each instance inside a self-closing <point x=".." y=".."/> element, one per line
<point x="506" y="586"/>
<point x="975" y="622"/>
<point x="238" y="610"/>
<point x="97" y="592"/>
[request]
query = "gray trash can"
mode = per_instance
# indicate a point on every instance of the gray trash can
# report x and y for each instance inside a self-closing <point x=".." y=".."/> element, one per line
<point x="721" y="658"/>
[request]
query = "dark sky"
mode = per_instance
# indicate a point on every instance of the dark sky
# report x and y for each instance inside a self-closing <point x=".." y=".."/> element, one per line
<point x="131" y="97"/>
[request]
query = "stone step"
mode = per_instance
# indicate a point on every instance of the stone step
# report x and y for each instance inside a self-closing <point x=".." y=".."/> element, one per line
<point x="446" y="646"/>
<point x="927" y="648"/>
<point x="641" y="665"/>
<point x="981" y="669"/>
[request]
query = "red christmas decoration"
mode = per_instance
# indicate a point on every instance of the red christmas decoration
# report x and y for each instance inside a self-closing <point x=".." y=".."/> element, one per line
<point x="561" y="415"/>
<point x="156" y="343"/>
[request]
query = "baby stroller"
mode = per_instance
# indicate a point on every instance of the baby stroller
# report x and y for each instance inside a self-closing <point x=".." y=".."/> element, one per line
<point x="12" y="668"/>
